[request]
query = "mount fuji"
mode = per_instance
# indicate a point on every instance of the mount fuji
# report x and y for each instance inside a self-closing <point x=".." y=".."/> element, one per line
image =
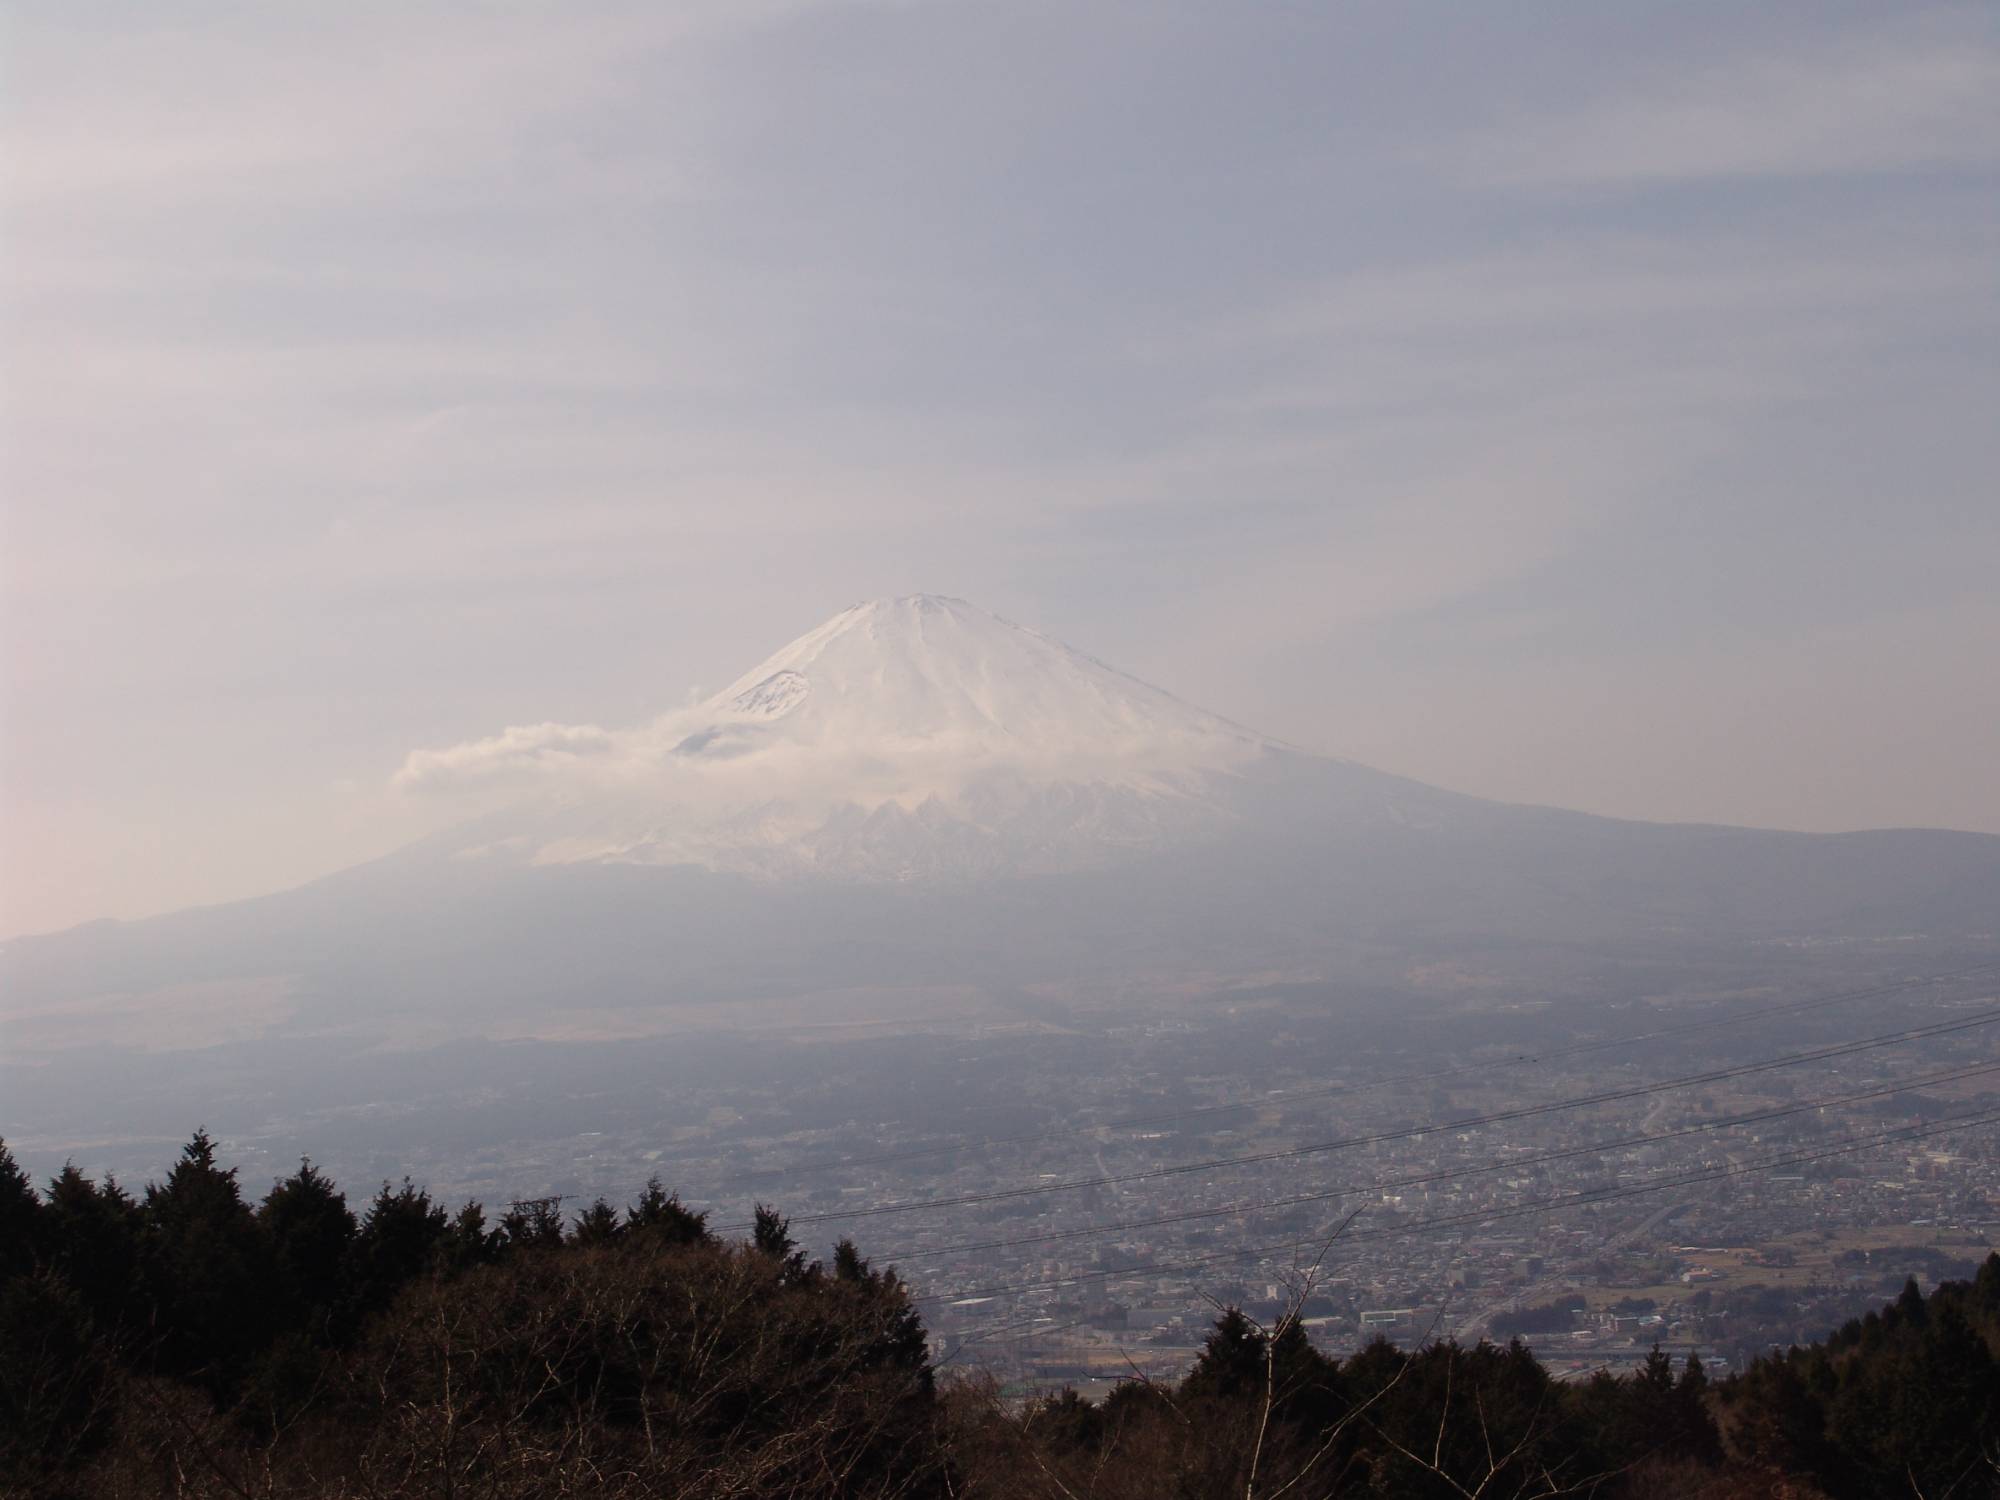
<point x="919" y="799"/>
<point x="904" y="739"/>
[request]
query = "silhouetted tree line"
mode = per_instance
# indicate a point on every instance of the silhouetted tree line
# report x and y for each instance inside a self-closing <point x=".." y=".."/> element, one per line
<point x="189" y="1342"/>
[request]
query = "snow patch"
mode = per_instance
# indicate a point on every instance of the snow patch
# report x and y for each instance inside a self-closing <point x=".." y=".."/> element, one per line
<point x="774" y="697"/>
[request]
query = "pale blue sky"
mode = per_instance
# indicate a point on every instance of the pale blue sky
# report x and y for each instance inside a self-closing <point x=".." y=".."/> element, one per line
<point x="1588" y="404"/>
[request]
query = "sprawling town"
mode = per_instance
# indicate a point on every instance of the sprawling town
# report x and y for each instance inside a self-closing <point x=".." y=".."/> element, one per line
<point x="1073" y="1202"/>
<point x="1074" y="1195"/>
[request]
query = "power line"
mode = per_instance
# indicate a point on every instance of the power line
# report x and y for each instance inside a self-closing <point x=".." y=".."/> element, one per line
<point x="1455" y="1174"/>
<point x="988" y="1338"/>
<point x="984" y="1335"/>
<point x="1524" y="1059"/>
<point x="1557" y="1204"/>
<point x="1520" y="1112"/>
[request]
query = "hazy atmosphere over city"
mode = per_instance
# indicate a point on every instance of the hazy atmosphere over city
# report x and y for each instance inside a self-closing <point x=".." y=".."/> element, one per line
<point x="983" y="750"/>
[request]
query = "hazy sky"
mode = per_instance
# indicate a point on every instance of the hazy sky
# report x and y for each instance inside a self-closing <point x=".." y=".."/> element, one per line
<point x="1591" y="404"/>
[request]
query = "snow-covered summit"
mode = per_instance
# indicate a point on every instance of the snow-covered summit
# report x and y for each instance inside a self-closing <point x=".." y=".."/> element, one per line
<point x="936" y="677"/>
<point x="902" y="737"/>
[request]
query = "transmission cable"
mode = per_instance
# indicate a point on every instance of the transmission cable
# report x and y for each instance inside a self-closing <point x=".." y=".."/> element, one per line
<point x="1557" y="1204"/>
<point x="1455" y="1174"/>
<point x="1522" y="1059"/>
<point x="1519" y="1112"/>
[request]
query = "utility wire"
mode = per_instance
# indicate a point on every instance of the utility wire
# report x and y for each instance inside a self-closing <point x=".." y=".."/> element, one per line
<point x="986" y="1336"/>
<point x="1522" y="1059"/>
<point x="990" y="1337"/>
<point x="1455" y="1174"/>
<point x="1556" y="1204"/>
<point x="1495" y="1117"/>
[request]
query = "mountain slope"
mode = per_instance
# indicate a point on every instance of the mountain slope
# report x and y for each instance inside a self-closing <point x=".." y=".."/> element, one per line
<point x="920" y="795"/>
<point x="916" y="738"/>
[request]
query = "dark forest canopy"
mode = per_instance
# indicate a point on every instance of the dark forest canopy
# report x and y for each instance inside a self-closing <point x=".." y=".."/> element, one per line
<point x="188" y="1341"/>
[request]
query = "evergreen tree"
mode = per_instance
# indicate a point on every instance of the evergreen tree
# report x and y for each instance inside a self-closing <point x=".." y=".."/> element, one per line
<point x="468" y="1242"/>
<point x="1927" y="1418"/>
<point x="1308" y="1384"/>
<point x="1695" y="1432"/>
<point x="20" y="1219"/>
<point x="55" y="1383"/>
<point x="1231" y="1362"/>
<point x="312" y="1236"/>
<point x="1909" y="1309"/>
<point x="532" y="1224"/>
<point x="1065" y="1423"/>
<point x="1655" y="1378"/>
<point x="598" y="1225"/>
<point x="1597" y="1418"/>
<point x="1779" y="1423"/>
<point x="400" y="1235"/>
<point x="1986" y="1290"/>
<point x="1372" y="1371"/>
<point x="848" y="1266"/>
<point x="1873" y="1331"/>
<point x="1694" y="1378"/>
<point x="95" y="1239"/>
<point x="665" y="1219"/>
<point x="207" y="1268"/>
<point x="896" y="1333"/>
<point x="771" y="1234"/>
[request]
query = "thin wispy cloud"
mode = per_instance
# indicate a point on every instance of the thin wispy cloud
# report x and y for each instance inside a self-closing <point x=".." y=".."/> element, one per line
<point x="517" y="750"/>
<point x="1909" y="92"/>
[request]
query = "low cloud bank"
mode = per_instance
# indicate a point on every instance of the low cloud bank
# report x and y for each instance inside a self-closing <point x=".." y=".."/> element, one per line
<point x="516" y="750"/>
